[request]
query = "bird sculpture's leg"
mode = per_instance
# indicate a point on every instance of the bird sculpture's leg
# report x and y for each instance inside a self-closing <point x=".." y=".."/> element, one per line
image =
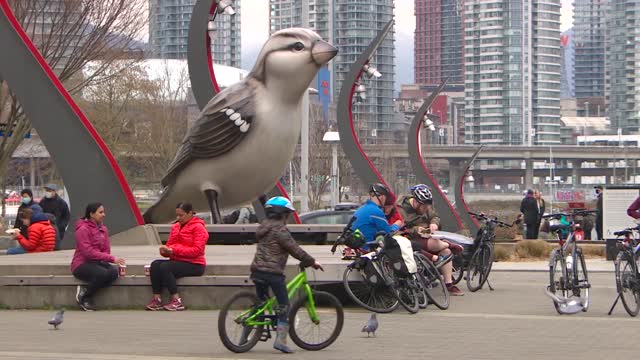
<point x="212" y="197"/>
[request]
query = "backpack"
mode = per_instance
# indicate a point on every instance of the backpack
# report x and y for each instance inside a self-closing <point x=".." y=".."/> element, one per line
<point x="399" y="252"/>
<point x="369" y="272"/>
<point x="231" y="218"/>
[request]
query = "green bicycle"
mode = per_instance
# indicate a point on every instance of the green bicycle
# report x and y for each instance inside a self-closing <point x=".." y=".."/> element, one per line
<point x="315" y="318"/>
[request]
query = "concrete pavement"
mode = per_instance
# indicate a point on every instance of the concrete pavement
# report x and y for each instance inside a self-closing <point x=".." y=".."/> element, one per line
<point x="515" y="321"/>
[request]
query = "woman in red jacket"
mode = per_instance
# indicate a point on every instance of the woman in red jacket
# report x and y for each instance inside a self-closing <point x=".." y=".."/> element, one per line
<point x="185" y="250"/>
<point x="41" y="234"/>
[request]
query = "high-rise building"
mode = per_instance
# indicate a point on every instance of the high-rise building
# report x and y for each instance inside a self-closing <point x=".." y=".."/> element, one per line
<point x="439" y="42"/>
<point x="588" y="28"/>
<point x="350" y="26"/>
<point x="169" y="31"/>
<point x="623" y="65"/>
<point x="512" y="71"/>
<point x="567" y="55"/>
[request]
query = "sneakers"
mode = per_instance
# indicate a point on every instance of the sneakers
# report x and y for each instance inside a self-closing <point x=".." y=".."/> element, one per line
<point x="80" y="291"/>
<point x="154" y="305"/>
<point x="174" y="305"/>
<point x="455" y="291"/>
<point x="86" y="305"/>
<point x="443" y="259"/>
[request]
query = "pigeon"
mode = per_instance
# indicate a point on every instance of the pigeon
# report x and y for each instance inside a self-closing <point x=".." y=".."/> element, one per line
<point x="371" y="326"/>
<point x="56" y="320"/>
<point x="247" y="134"/>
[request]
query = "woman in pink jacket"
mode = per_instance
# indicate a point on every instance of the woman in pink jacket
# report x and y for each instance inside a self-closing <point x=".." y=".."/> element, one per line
<point x="185" y="250"/>
<point x="92" y="260"/>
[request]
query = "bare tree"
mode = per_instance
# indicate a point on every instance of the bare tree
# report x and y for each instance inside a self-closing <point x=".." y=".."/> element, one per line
<point x="142" y="115"/>
<point x="69" y="34"/>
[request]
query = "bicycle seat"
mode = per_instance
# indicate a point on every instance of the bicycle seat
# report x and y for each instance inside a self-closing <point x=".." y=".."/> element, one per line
<point x="557" y="228"/>
<point x="623" y="232"/>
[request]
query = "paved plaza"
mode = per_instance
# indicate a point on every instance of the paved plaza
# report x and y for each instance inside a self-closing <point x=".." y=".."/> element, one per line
<point x="515" y="321"/>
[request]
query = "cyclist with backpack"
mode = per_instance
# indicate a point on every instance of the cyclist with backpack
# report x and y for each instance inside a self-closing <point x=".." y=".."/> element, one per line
<point x="421" y="219"/>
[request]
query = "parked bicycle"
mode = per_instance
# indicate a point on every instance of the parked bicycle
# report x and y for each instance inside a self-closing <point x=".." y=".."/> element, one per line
<point x="316" y="318"/>
<point x="480" y="263"/>
<point x="476" y="260"/>
<point x="376" y="278"/>
<point x="627" y="276"/>
<point x="568" y="279"/>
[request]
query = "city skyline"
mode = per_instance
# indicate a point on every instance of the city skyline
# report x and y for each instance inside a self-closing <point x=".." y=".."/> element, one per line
<point x="255" y="31"/>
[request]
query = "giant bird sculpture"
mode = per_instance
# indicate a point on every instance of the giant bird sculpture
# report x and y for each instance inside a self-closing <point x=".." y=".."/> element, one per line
<point x="246" y="135"/>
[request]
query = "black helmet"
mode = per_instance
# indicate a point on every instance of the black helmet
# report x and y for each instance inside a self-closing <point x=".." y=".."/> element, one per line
<point x="379" y="189"/>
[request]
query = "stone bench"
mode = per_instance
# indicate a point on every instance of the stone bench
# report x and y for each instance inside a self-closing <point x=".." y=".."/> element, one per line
<point x="132" y="291"/>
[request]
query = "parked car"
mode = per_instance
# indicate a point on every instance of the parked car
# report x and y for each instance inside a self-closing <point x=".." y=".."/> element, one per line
<point x="340" y="214"/>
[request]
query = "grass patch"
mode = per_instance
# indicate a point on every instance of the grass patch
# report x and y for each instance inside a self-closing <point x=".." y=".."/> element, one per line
<point x="502" y="253"/>
<point x="593" y="251"/>
<point x="533" y="249"/>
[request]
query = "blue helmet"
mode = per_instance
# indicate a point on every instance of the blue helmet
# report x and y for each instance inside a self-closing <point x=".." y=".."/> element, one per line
<point x="279" y="204"/>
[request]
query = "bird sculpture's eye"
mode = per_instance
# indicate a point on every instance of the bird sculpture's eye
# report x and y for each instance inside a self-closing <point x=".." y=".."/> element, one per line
<point x="298" y="46"/>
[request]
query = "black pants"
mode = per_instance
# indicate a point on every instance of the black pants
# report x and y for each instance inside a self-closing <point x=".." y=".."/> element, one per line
<point x="97" y="274"/>
<point x="164" y="273"/>
<point x="532" y="231"/>
<point x="265" y="280"/>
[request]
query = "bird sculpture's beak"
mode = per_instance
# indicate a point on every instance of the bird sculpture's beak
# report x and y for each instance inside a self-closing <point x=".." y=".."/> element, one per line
<point x="322" y="52"/>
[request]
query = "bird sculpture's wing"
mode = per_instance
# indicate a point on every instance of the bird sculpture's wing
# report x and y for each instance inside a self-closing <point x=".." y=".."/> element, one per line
<point x="222" y="125"/>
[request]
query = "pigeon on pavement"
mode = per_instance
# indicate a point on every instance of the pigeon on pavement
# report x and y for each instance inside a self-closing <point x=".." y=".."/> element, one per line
<point x="56" y="320"/>
<point x="371" y="326"/>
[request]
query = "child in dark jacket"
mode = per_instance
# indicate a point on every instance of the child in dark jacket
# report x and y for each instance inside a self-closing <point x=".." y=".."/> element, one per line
<point x="275" y="243"/>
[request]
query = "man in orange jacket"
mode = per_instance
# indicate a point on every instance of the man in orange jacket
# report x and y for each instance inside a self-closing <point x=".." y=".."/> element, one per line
<point x="42" y="235"/>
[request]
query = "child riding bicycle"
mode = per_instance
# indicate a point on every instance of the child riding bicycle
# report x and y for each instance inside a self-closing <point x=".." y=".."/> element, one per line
<point x="275" y="243"/>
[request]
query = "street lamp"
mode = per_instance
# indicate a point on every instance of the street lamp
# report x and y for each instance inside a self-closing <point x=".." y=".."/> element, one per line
<point x="333" y="138"/>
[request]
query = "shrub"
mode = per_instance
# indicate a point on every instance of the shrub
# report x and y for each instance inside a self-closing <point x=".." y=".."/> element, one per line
<point x="502" y="253"/>
<point x="533" y="249"/>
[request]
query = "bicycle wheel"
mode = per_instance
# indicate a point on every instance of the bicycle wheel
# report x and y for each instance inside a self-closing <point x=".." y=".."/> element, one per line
<point x="479" y="268"/>
<point x="423" y="299"/>
<point x="433" y="283"/>
<point x="458" y="269"/>
<point x="316" y="335"/>
<point x="403" y="288"/>
<point x="557" y="277"/>
<point x="581" y="280"/>
<point x="407" y="293"/>
<point x="234" y="335"/>
<point x="376" y="298"/>
<point x="626" y="278"/>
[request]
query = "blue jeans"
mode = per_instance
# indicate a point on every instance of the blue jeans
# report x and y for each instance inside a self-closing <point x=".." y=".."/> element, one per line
<point x="16" y="250"/>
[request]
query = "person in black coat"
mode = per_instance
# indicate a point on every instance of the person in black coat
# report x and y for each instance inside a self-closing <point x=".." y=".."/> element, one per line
<point x="529" y="208"/>
<point x="56" y="206"/>
<point x="599" y="214"/>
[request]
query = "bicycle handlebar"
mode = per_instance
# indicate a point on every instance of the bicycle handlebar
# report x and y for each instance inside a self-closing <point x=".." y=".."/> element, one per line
<point x="489" y="219"/>
<point x="573" y="213"/>
<point x="340" y="239"/>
